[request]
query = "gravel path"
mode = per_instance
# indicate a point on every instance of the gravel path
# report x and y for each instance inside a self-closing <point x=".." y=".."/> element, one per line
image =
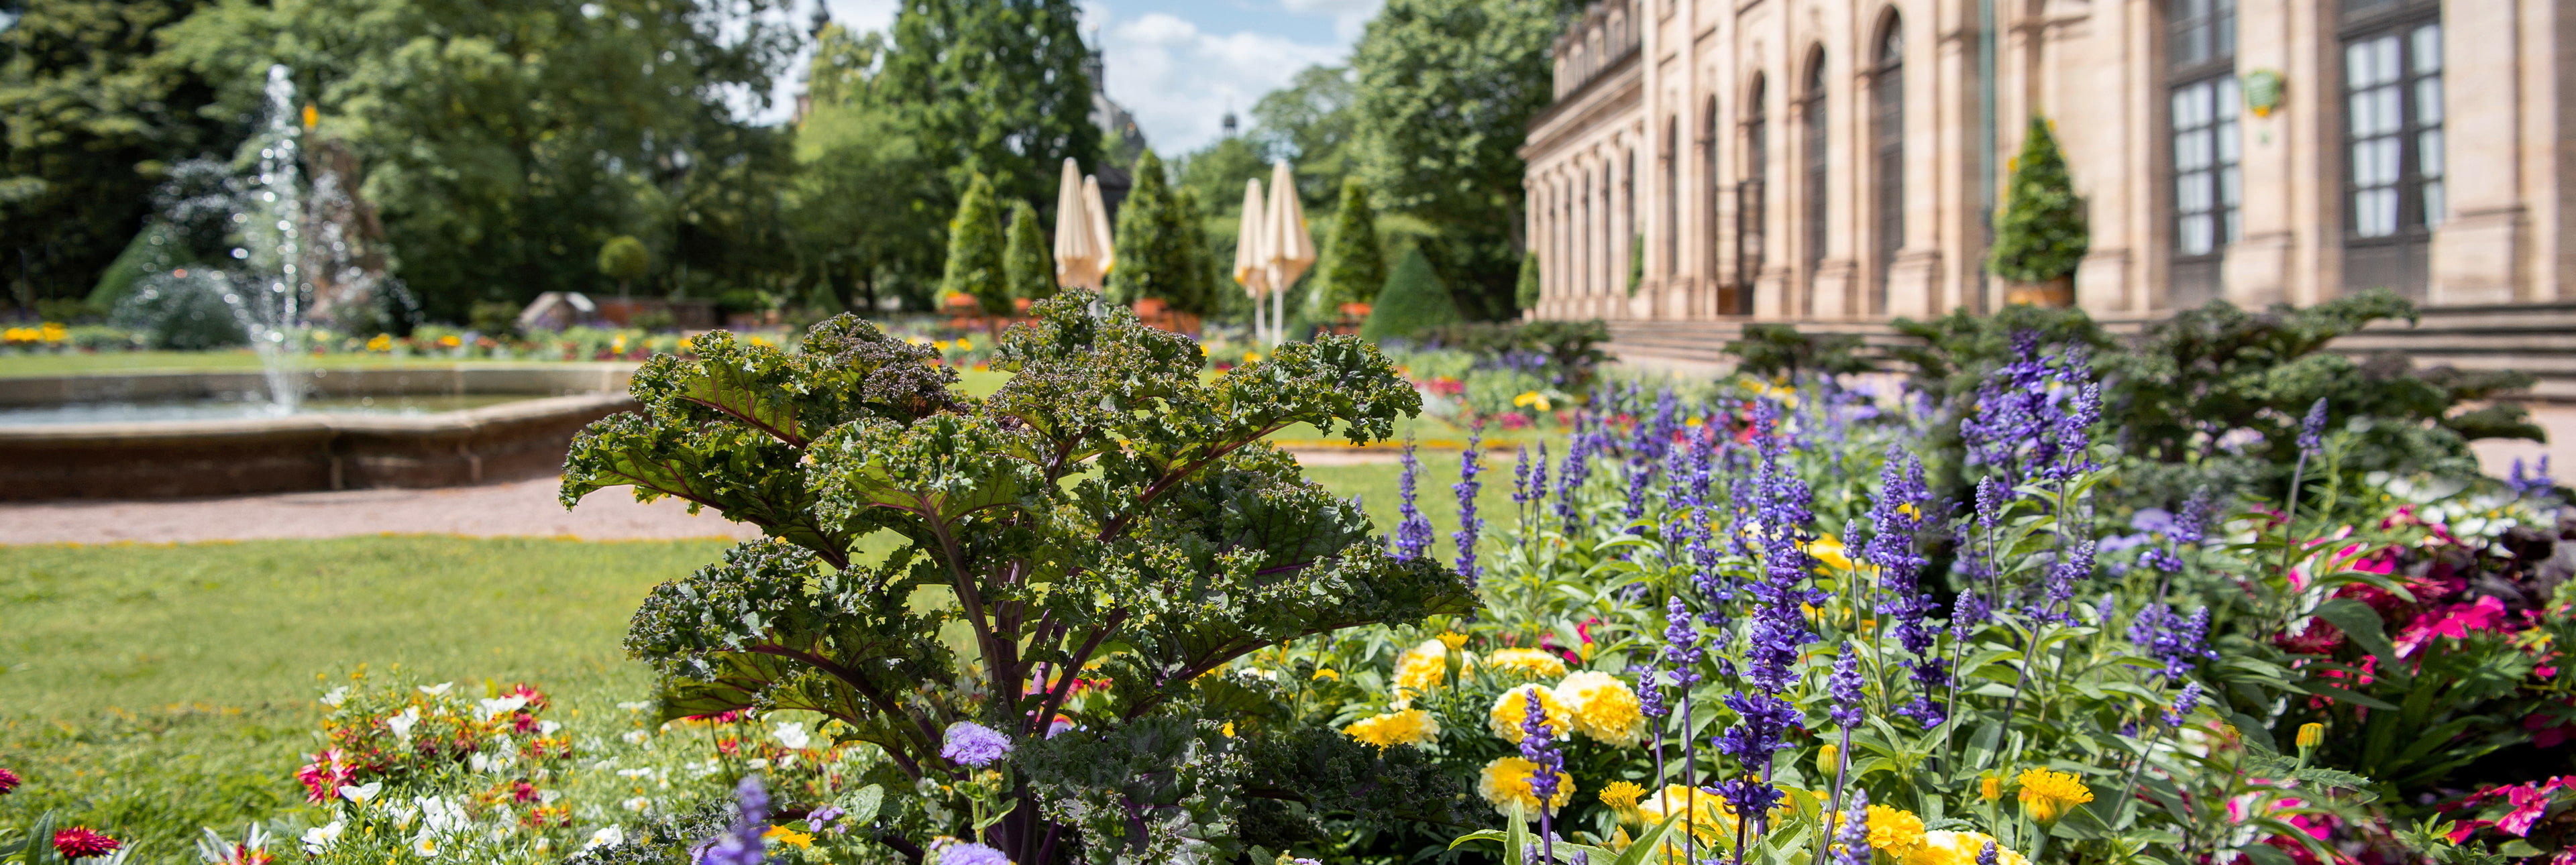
<point x="524" y="508"/>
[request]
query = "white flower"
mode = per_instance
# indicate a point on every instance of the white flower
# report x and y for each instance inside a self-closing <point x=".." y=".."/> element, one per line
<point x="636" y="706"/>
<point x="638" y="803"/>
<point x="479" y="763"/>
<point x="437" y="690"/>
<point x="441" y="815"/>
<point x="635" y="773"/>
<point x="485" y="710"/>
<point x="548" y="728"/>
<point x="609" y="836"/>
<point x="359" y="794"/>
<point x="637" y="737"/>
<point x="792" y="735"/>
<point x="335" y="696"/>
<point x="403" y="723"/>
<point x="424" y="845"/>
<point x="320" y="838"/>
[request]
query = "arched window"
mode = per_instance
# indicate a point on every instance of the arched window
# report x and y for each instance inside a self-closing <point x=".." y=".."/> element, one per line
<point x="1750" y="204"/>
<point x="1887" y="121"/>
<point x="1583" y="231"/>
<point x="1811" y="116"/>
<point x="1672" y="192"/>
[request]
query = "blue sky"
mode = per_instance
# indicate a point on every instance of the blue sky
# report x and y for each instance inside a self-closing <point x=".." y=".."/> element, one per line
<point x="1179" y="64"/>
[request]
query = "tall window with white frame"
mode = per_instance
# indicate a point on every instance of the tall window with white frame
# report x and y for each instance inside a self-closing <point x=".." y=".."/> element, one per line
<point x="1672" y="197"/>
<point x="2392" y="68"/>
<point x="1811" y="117"/>
<point x="2200" y="60"/>
<point x="1751" y="210"/>
<point x="1887" y="134"/>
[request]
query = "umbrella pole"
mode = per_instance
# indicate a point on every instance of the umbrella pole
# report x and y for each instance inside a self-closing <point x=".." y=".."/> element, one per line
<point x="1278" y="317"/>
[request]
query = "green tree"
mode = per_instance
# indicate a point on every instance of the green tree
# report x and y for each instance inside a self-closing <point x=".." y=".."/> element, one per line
<point x="93" y="119"/>
<point x="502" y="142"/>
<point x="975" y="267"/>
<point x="1310" y="122"/>
<point x="1028" y="266"/>
<point x="1354" y="265"/>
<point x="1444" y="92"/>
<point x="1413" y="301"/>
<point x="2041" y="233"/>
<point x="995" y="87"/>
<point x="1526" y="291"/>
<point x="624" y="258"/>
<point x="1108" y="507"/>
<point x="862" y="203"/>
<point x="1154" y="255"/>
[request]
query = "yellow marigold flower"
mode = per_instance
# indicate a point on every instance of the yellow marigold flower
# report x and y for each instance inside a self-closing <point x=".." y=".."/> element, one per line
<point x="1422" y="667"/>
<point x="2311" y="735"/>
<point x="1251" y="357"/>
<point x="1958" y="848"/>
<point x="939" y="344"/>
<point x="1327" y="673"/>
<point x="1829" y="552"/>
<point x="1506" y="782"/>
<point x="1622" y="795"/>
<point x="1530" y="661"/>
<point x="1603" y="708"/>
<point x="1513" y="706"/>
<point x="1453" y="640"/>
<point x="963" y="345"/>
<point x="781" y="833"/>
<point x="2047" y="794"/>
<point x="1894" y="830"/>
<point x="381" y="343"/>
<point x="1990" y="788"/>
<point x="1407" y="727"/>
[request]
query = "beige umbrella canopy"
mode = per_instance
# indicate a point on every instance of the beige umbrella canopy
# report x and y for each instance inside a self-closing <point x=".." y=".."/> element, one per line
<point x="1291" y="248"/>
<point x="1077" y="252"/>
<point x="1251" y="254"/>
<point x="1103" y="241"/>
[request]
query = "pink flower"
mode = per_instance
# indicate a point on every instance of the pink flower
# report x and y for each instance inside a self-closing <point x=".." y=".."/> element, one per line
<point x="79" y="842"/>
<point x="322" y="778"/>
<point x="8" y="781"/>
<point x="2456" y="621"/>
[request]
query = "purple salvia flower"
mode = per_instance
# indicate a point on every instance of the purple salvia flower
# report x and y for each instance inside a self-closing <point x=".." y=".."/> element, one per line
<point x="1990" y="501"/>
<point x="1412" y="529"/>
<point x="1537" y="747"/>
<point x="1650" y="690"/>
<point x="1521" y="476"/>
<point x="1844" y="686"/>
<point x="2103" y="612"/>
<point x="2312" y="429"/>
<point x="1469" y="464"/>
<point x="740" y="844"/>
<point x="1896" y="521"/>
<point x="2161" y="559"/>
<point x="1570" y="476"/>
<point x="1852" y="840"/>
<point x="1681" y="642"/>
<point x="1638" y="476"/>
<point x="2172" y="639"/>
<point x="2183" y="705"/>
<point x="2191" y="526"/>
<point x="2531" y="483"/>
<point x="1967" y="611"/>
<point x="1987" y="856"/>
<point x="1538" y="474"/>
<point x="2057" y="589"/>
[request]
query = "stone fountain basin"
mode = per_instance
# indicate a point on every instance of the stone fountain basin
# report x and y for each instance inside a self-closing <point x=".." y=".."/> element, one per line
<point x="303" y="452"/>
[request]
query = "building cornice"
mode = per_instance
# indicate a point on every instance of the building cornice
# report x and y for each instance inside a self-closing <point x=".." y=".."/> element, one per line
<point x="1616" y="88"/>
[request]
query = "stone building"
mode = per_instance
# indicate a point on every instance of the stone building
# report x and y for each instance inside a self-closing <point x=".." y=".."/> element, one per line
<point x="1836" y="160"/>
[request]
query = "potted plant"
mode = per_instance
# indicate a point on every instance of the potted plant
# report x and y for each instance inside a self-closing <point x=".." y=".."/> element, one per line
<point x="2040" y="235"/>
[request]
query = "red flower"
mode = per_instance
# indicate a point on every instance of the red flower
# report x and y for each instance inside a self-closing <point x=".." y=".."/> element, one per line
<point x="79" y="842"/>
<point x="323" y="777"/>
<point x="8" y="781"/>
<point x="535" y="700"/>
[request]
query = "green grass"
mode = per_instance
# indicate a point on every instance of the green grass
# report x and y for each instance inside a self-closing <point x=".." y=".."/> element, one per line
<point x="153" y="689"/>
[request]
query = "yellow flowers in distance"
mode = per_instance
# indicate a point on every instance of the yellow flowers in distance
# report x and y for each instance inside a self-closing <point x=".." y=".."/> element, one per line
<point x="2046" y="794"/>
<point x="1251" y="357"/>
<point x="1527" y="661"/>
<point x="383" y="342"/>
<point x="1506" y="782"/>
<point x="1533" y="399"/>
<point x="1406" y="727"/>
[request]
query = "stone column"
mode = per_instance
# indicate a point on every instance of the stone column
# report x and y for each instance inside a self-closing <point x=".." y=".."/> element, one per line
<point x="2481" y="248"/>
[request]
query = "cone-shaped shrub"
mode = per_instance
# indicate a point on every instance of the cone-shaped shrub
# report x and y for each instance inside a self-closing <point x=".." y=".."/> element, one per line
<point x="2041" y="234"/>
<point x="1412" y="301"/>
<point x="1027" y="266"/>
<point x="975" y="250"/>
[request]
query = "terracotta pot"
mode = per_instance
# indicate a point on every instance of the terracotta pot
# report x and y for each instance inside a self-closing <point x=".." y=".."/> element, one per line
<point x="2057" y="293"/>
<point x="1355" y="310"/>
<point x="1020" y="303"/>
<point x="1149" y="307"/>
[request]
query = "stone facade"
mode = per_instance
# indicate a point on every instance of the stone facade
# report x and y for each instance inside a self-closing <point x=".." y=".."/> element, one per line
<point x="1835" y="160"/>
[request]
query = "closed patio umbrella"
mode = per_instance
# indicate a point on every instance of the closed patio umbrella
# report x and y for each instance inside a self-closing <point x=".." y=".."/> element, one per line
<point x="1077" y="252"/>
<point x="1251" y="255"/>
<point x="1291" y="248"/>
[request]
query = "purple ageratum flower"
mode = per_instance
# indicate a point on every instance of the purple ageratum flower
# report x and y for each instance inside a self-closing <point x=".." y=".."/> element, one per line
<point x="1844" y="686"/>
<point x="969" y="853"/>
<point x="821" y="818"/>
<point x="1469" y="464"/>
<point x="1412" y="529"/>
<point x="2312" y="429"/>
<point x="1537" y="748"/>
<point x="971" y="744"/>
<point x="1851" y="842"/>
<point x="2183" y="705"/>
<point x="740" y="843"/>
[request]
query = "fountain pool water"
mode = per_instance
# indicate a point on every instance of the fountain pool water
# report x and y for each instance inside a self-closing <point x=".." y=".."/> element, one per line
<point x="242" y="407"/>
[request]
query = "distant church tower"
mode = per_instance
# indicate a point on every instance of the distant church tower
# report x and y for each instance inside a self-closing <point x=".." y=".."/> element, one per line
<point x="1229" y="123"/>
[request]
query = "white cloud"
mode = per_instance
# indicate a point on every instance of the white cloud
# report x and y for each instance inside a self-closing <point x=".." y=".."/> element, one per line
<point x="1349" y="16"/>
<point x="1179" y="80"/>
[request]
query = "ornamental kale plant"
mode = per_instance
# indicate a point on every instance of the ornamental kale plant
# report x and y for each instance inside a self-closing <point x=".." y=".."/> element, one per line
<point x="1075" y="562"/>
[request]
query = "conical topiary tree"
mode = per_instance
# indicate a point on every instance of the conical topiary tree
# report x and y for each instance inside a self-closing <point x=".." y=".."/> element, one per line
<point x="1354" y="255"/>
<point x="1525" y="294"/>
<point x="1152" y="258"/>
<point x="975" y="250"/>
<point x="1413" y="300"/>
<point x="1194" y="291"/>
<point x="2040" y="234"/>
<point x="1027" y="265"/>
